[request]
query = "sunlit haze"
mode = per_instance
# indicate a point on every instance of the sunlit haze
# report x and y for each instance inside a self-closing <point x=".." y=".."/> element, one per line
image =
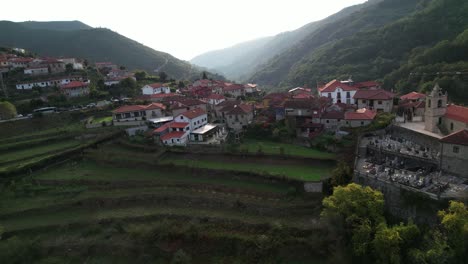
<point x="183" y="28"/>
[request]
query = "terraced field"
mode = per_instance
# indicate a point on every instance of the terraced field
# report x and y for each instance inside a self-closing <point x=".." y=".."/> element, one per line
<point x="115" y="204"/>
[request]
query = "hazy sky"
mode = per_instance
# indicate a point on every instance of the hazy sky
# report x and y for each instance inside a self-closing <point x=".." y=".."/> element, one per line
<point x="183" y="28"/>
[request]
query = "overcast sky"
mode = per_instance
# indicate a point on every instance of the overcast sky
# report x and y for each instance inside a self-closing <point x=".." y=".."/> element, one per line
<point x="183" y="28"/>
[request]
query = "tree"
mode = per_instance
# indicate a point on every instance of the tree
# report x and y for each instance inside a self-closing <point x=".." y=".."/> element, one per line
<point x="454" y="221"/>
<point x="342" y="174"/>
<point x="181" y="84"/>
<point x="163" y="76"/>
<point x="204" y="76"/>
<point x="128" y="86"/>
<point x="140" y="75"/>
<point x="69" y="68"/>
<point x="7" y="110"/>
<point x="390" y="243"/>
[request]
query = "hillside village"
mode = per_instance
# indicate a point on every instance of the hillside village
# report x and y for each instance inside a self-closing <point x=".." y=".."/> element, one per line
<point x="396" y="143"/>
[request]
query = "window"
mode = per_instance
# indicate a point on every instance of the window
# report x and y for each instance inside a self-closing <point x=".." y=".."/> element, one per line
<point x="451" y="126"/>
<point x="338" y="95"/>
<point x="362" y="123"/>
<point x="439" y="103"/>
<point x="440" y="120"/>
<point x="329" y="95"/>
<point x="364" y="101"/>
<point x="328" y="121"/>
<point x="379" y="102"/>
<point x="348" y="95"/>
<point x="429" y="103"/>
<point x="456" y="149"/>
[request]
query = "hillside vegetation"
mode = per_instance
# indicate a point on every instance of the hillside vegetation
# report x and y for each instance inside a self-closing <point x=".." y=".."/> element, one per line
<point x="94" y="44"/>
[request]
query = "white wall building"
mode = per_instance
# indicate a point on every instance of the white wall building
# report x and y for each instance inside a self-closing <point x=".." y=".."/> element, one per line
<point x="196" y="118"/>
<point x="155" y="88"/>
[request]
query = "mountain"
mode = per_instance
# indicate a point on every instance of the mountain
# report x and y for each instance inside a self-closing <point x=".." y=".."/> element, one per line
<point x="94" y="44"/>
<point x="289" y="67"/>
<point x="429" y="38"/>
<point x="239" y="61"/>
<point x="55" y="25"/>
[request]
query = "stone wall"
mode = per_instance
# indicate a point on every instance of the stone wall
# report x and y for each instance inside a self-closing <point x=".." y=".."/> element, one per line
<point x="418" y="138"/>
<point x="403" y="203"/>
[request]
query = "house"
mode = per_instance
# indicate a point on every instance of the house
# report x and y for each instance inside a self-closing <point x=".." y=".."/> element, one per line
<point x="20" y="62"/>
<point x="361" y="117"/>
<point x="274" y="99"/>
<point x="105" y="66"/>
<point x="332" y="119"/>
<point x="374" y="99"/>
<point x="215" y="99"/>
<point x="138" y="112"/>
<point x="233" y="90"/>
<point x="455" y="118"/>
<point x="338" y="92"/>
<point x="36" y="70"/>
<point x="74" y="62"/>
<point x="181" y="104"/>
<point x="162" y="97"/>
<point x="75" y="89"/>
<point x="196" y="118"/>
<point x="455" y="153"/>
<point x="155" y="88"/>
<point x="366" y="85"/>
<point x="47" y="83"/>
<point x="413" y="97"/>
<point x="54" y="65"/>
<point x="251" y="89"/>
<point x="172" y="134"/>
<point x="238" y="116"/>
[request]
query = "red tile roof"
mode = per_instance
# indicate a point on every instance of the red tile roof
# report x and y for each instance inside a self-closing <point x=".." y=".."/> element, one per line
<point x="156" y="85"/>
<point x="367" y="84"/>
<point x="333" y="85"/>
<point x="374" y="94"/>
<point x="360" y="114"/>
<point x="458" y="138"/>
<point x="135" y="108"/>
<point x="240" y="109"/>
<point x="333" y="115"/>
<point x="216" y="97"/>
<point x="457" y="113"/>
<point x="194" y="113"/>
<point x="74" y="84"/>
<point x="412" y="96"/>
<point x="162" y="128"/>
<point x="175" y="134"/>
<point x="178" y="124"/>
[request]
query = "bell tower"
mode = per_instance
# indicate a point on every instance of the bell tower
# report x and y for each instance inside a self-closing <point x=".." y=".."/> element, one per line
<point x="436" y="106"/>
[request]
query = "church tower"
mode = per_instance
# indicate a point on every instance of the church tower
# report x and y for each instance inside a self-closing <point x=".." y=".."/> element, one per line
<point x="436" y="106"/>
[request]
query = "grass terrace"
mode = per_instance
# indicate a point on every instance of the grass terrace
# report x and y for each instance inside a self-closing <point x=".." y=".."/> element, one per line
<point x="270" y="147"/>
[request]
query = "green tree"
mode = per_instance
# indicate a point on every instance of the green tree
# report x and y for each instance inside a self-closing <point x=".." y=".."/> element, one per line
<point x="342" y="174"/>
<point x="181" y="84"/>
<point x="204" y="76"/>
<point x="390" y="243"/>
<point x="162" y="76"/>
<point x="454" y="221"/>
<point x="140" y="75"/>
<point x="7" y="110"/>
<point x="69" y="68"/>
<point x="128" y="86"/>
<point x="435" y="250"/>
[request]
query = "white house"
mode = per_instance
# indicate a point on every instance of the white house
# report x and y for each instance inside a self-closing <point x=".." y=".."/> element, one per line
<point x="75" y="89"/>
<point x="215" y="99"/>
<point x="339" y="92"/>
<point x="38" y="70"/>
<point x="196" y="118"/>
<point x="155" y="88"/>
<point x="138" y="112"/>
<point x="46" y="83"/>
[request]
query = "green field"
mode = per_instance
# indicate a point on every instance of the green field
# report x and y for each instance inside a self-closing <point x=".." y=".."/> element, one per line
<point x="102" y="119"/>
<point x="269" y="147"/>
<point x="297" y="172"/>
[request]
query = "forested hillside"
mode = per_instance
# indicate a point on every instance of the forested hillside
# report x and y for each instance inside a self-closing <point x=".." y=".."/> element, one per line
<point x="406" y="53"/>
<point x="56" y="25"/>
<point x="239" y="61"/>
<point x="96" y="44"/>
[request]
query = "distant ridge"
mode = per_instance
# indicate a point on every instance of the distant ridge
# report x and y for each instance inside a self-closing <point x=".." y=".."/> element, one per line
<point x="56" y="25"/>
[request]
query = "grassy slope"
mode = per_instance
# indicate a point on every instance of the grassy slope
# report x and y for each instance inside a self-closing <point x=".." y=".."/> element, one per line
<point x="304" y="173"/>
<point x="269" y="147"/>
<point x="39" y="150"/>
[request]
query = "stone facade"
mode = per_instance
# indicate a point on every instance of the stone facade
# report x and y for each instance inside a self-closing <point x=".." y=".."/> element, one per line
<point x="436" y="106"/>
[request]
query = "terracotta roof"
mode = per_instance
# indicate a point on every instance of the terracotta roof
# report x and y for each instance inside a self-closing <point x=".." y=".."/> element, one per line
<point x="156" y="85"/>
<point x="190" y="102"/>
<point x="216" y="97"/>
<point x="240" y="109"/>
<point x="134" y="108"/>
<point x="175" y="134"/>
<point x="178" y="124"/>
<point x="374" y="94"/>
<point x="303" y="96"/>
<point x="155" y="106"/>
<point x="366" y="84"/>
<point x="227" y="103"/>
<point x="74" y="84"/>
<point x="458" y="138"/>
<point x="457" y="113"/>
<point x="333" y="115"/>
<point x="333" y="85"/>
<point x="276" y="96"/>
<point x="412" y="96"/>
<point x="233" y="87"/>
<point x="162" y="128"/>
<point x="194" y="113"/>
<point x="360" y="114"/>
<point x="129" y="108"/>
<point x="299" y="104"/>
